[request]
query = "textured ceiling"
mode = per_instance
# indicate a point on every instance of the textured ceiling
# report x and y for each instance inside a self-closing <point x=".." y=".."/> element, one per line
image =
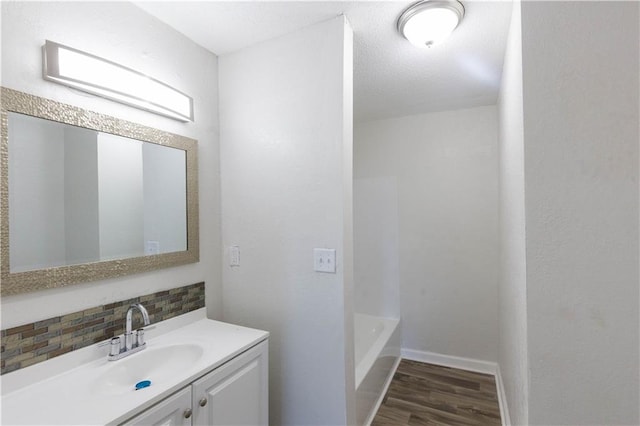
<point x="391" y="77"/>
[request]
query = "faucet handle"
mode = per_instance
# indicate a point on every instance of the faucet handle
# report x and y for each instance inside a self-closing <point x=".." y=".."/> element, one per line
<point x="115" y="346"/>
<point x="140" y="337"/>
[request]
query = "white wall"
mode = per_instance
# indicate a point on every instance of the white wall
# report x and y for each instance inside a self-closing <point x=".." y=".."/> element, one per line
<point x="581" y="132"/>
<point x="512" y="294"/>
<point x="123" y="33"/>
<point x="445" y="165"/>
<point x="285" y="121"/>
<point x="376" y="242"/>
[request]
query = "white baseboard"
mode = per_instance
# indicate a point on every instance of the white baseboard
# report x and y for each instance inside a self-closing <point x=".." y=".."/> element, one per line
<point x="469" y="364"/>
<point x="502" y="399"/>
<point x="373" y="413"/>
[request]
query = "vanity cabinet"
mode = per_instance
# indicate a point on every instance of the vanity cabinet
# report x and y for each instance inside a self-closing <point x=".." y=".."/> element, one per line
<point x="172" y="411"/>
<point x="236" y="393"/>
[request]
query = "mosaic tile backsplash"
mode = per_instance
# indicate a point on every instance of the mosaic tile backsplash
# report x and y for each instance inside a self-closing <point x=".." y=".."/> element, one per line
<point x="42" y="340"/>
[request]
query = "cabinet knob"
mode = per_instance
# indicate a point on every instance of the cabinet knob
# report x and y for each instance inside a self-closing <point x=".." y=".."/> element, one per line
<point x="187" y="413"/>
<point x="203" y="402"/>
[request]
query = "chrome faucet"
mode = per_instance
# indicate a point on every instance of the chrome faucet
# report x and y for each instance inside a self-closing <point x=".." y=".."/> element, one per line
<point x="133" y="342"/>
<point x="128" y="335"/>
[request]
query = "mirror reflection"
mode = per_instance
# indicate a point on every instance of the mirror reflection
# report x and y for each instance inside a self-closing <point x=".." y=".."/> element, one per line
<point x="78" y="195"/>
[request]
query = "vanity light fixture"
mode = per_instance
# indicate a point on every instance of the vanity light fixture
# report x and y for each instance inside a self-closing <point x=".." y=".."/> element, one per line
<point x="80" y="70"/>
<point x="430" y="22"/>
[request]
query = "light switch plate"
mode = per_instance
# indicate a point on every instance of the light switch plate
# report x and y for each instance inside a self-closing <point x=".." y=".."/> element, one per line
<point x="324" y="260"/>
<point x="234" y="256"/>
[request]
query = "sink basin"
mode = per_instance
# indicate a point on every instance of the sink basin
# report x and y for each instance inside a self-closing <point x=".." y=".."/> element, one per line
<point x="155" y="364"/>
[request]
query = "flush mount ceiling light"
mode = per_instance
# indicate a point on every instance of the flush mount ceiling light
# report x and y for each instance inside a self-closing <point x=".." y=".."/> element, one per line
<point x="429" y="22"/>
<point x="92" y="74"/>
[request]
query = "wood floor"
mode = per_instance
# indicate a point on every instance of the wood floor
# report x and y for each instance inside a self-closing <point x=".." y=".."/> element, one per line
<point x="426" y="394"/>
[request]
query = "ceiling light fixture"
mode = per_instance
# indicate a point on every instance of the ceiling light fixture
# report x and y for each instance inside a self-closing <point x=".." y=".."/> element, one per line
<point x="92" y="74"/>
<point x="430" y="22"/>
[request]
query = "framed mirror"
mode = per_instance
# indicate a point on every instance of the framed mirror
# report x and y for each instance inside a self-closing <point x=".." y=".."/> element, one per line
<point x="85" y="196"/>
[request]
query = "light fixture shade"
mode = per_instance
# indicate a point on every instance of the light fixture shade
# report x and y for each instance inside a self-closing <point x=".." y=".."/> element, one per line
<point x="92" y="74"/>
<point x="429" y="22"/>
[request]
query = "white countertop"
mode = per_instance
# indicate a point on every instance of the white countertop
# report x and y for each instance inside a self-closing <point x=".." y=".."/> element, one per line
<point x="70" y="389"/>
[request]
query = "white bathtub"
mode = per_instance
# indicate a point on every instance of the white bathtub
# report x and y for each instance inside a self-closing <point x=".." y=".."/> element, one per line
<point x="377" y="354"/>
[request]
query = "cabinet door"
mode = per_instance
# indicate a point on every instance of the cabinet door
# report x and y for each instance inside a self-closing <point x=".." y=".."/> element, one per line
<point x="235" y="393"/>
<point x="172" y="411"/>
